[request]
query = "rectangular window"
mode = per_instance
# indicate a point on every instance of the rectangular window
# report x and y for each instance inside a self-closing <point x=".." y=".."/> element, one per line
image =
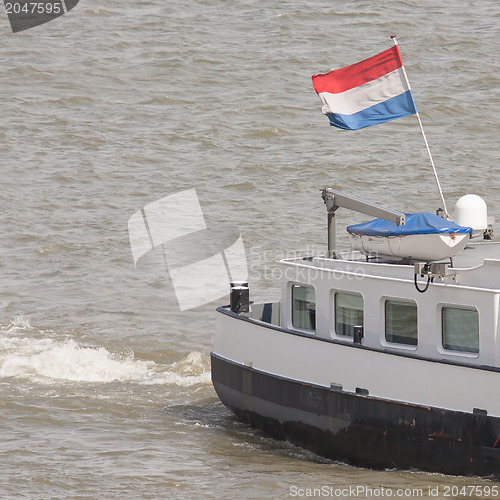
<point x="348" y="313"/>
<point x="460" y="329"/>
<point x="304" y="307"/>
<point x="401" y="322"/>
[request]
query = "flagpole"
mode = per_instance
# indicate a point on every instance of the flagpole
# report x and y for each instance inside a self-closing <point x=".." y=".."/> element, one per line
<point x="425" y="138"/>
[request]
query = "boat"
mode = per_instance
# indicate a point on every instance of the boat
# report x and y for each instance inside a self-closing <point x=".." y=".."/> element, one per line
<point x="376" y="359"/>
<point x="424" y="236"/>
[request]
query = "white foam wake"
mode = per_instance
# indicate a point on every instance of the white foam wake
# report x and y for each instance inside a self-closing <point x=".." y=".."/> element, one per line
<point x="43" y="357"/>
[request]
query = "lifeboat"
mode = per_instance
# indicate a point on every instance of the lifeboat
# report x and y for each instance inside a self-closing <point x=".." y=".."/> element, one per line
<point x="424" y="237"/>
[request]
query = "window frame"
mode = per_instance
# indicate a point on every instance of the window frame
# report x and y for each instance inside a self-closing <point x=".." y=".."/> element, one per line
<point x="392" y="343"/>
<point x="301" y="328"/>
<point x="333" y="316"/>
<point x="458" y="352"/>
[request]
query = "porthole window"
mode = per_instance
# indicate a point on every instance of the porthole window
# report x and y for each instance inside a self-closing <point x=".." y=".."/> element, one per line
<point x="304" y="307"/>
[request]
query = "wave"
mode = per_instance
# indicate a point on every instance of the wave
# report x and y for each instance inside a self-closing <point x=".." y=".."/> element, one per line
<point x="44" y="357"/>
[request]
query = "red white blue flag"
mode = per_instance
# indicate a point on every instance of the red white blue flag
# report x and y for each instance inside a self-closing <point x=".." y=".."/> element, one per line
<point x="372" y="91"/>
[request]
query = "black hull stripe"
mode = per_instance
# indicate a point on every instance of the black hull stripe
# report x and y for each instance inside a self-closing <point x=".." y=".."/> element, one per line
<point x="359" y="429"/>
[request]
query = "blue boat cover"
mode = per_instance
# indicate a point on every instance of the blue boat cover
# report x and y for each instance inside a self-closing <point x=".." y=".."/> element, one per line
<point x="420" y="223"/>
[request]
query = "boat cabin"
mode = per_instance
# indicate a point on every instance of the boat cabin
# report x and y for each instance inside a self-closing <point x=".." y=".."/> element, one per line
<point x="455" y="319"/>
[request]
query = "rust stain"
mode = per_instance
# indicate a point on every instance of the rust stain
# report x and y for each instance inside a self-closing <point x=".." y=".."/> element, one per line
<point x="440" y="435"/>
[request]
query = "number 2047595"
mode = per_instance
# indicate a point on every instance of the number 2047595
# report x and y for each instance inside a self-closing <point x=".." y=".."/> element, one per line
<point x="34" y="7"/>
<point x="470" y="491"/>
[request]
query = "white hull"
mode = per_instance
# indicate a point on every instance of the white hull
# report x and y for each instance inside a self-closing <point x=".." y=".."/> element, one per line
<point x="391" y="377"/>
<point x="425" y="247"/>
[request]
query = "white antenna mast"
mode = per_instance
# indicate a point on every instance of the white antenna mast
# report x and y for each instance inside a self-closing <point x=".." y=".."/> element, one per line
<point x="425" y="139"/>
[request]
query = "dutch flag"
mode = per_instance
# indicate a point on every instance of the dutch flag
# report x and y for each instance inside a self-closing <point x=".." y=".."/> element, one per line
<point x="372" y="91"/>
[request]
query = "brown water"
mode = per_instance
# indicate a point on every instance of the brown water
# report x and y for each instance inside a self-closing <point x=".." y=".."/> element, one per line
<point x="104" y="383"/>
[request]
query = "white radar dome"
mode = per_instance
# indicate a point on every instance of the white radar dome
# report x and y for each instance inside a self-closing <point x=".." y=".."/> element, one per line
<point x="471" y="211"/>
